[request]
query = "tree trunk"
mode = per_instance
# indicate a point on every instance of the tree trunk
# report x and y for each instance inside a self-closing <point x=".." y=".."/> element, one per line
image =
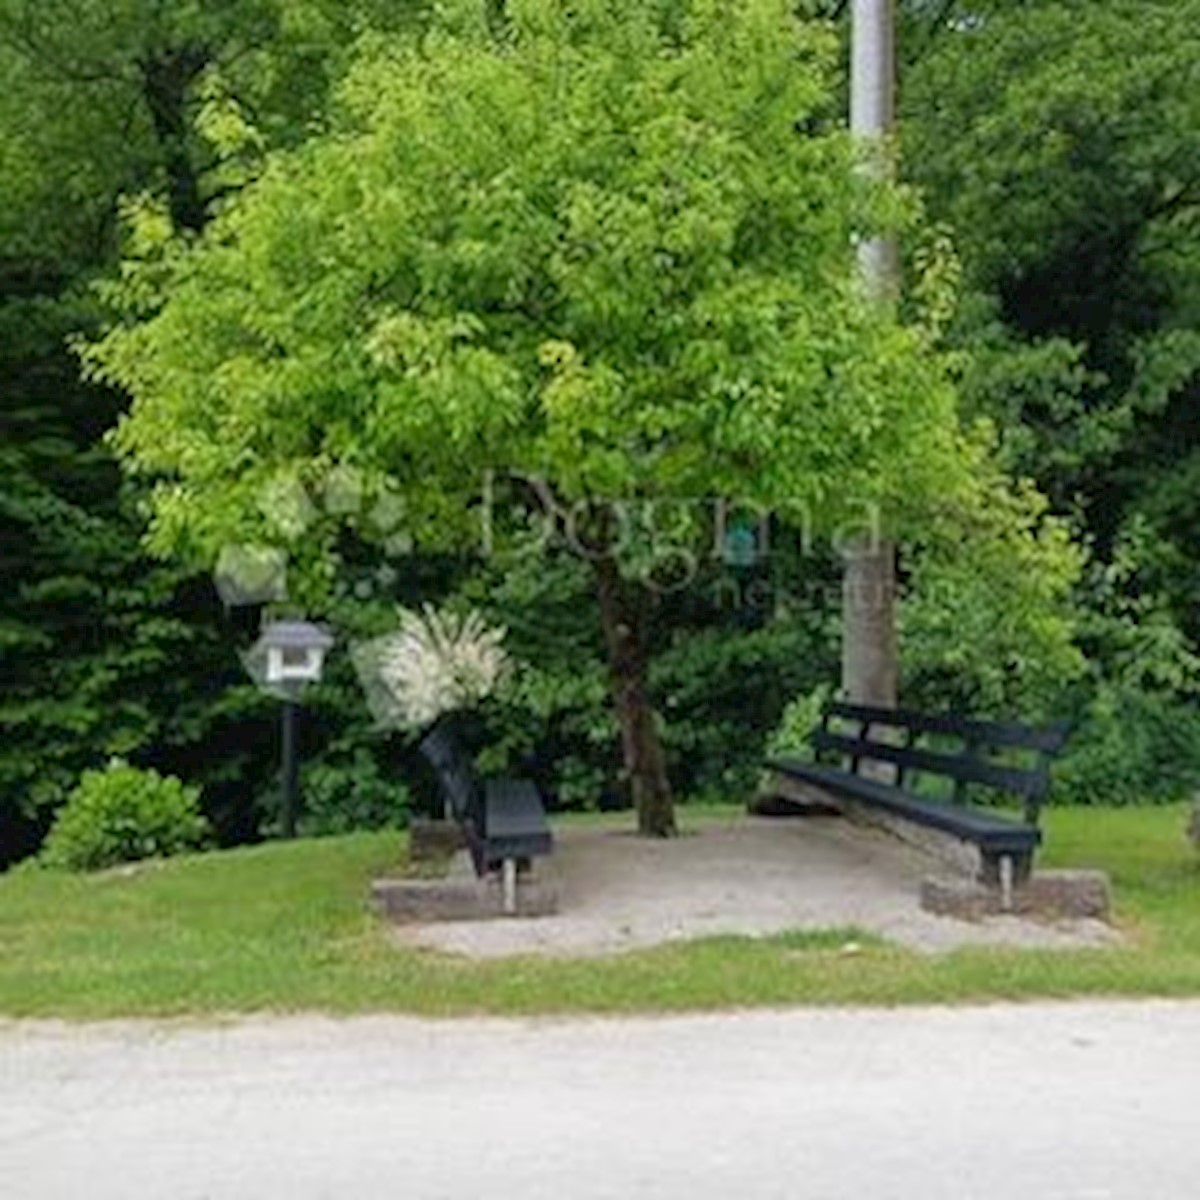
<point x="166" y="83"/>
<point x="623" y="620"/>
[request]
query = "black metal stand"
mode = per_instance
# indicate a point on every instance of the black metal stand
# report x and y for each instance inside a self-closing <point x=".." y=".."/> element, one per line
<point x="291" y="769"/>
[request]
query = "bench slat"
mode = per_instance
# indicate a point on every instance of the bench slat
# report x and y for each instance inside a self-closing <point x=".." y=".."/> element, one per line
<point x="1021" y="782"/>
<point x="514" y="808"/>
<point x="456" y="775"/>
<point x="516" y="821"/>
<point x="994" y="833"/>
<point x="1048" y="739"/>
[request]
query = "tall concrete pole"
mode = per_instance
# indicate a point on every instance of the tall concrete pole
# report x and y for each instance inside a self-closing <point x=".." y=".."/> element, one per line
<point x="870" y="654"/>
<point x="873" y="121"/>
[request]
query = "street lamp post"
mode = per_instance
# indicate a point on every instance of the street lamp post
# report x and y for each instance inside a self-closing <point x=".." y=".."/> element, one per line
<point x="289" y="769"/>
<point x="295" y="656"/>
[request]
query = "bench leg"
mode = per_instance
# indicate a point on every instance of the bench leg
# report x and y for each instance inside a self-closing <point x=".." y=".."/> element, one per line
<point x="1006" y="883"/>
<point x="993" y="867"/>
<point x="509" y="876"/>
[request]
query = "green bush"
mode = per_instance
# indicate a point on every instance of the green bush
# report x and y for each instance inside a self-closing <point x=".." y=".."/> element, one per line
<point x="799" y="718"/>
<point x="1137" y="732"/>
<point x="554" y="725"/>
<point x="718" y="692"/>
<point x="989" y="618"/>
<point x="124" y="814"/>
<point x="722" y="690"/>
<point x="346" y="792"/>
<point x="1131" y="747"/>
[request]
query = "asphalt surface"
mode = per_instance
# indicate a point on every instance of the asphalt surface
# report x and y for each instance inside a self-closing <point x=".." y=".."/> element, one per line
<point x="1059" y="1102"/>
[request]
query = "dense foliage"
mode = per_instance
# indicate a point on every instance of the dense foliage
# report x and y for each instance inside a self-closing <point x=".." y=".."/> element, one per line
<point x="1053" y="144"/>
<point x="1059" y="140"/>
<point x="105" y="651"/>
<point x="122" y="815"/>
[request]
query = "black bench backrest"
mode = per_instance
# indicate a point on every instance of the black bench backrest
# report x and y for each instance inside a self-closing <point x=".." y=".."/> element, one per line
<point x="1048" y="739"/>
<point x="981" y="744"/>
<point x="456" y="776"/>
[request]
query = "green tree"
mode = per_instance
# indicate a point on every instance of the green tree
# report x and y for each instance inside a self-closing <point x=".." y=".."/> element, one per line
<point x="1060" y="140"/>
<point x="609" y="249"/>
<point x="103" y="96"/>
<point x="104" y="650"/>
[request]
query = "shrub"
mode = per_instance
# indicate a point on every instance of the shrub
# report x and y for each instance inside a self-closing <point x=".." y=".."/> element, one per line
<point x="989" y="617"/>
<point x="723" y="690"/>
<point x="124" y="814"/>
<point x="350" y="791"/>
<point x="719" y="692"/>
<point x="799" y="718"/>
<point x="555" y="726"/>
<point x="723" y="667"/>
<point x="1131" y="747"/>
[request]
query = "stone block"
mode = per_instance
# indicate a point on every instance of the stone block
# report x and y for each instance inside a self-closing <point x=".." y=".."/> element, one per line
<point x="1045" y="895"/>
<point x="433" y="841"/>
<point x="783" y="796"/>
<point x="460" y="896"/>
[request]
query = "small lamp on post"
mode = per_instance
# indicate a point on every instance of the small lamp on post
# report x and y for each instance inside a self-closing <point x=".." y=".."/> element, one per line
<point x="294" y="653"/>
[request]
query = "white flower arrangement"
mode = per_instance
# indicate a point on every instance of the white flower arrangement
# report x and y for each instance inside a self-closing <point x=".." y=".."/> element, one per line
<point x="435" y="663"/>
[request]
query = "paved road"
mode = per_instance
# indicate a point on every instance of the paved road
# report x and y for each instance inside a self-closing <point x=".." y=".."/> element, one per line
<point x="1072" y="1102"/>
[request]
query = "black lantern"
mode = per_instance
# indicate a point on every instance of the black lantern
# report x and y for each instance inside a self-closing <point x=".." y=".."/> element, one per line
<point x="290" y="655"/>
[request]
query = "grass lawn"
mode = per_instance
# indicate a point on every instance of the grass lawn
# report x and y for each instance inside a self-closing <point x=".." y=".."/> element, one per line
<point x="284" y="928"/>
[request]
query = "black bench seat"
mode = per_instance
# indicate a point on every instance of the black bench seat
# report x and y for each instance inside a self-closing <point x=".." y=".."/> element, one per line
<point x="515" y="824"/>
<point x="503" y="821"/>
<point x="985" y="829"/>
<point x="982" y="756"/>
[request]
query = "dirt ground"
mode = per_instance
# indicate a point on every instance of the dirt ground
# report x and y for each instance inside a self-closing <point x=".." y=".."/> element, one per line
<point x="750" y="875"/>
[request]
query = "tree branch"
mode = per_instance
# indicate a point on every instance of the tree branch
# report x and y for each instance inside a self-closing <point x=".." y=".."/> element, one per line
<point x="166" y="81"/>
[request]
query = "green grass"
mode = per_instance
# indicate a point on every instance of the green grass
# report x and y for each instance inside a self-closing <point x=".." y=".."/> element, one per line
<point x="285" y="928"/>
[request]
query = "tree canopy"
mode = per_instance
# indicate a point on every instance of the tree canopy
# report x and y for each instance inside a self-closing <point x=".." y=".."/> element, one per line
<point x="611" y="249"/>
<point x="597" y="249"/>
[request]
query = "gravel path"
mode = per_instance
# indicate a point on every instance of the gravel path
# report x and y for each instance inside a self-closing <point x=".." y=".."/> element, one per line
<point x="751" y="876"/>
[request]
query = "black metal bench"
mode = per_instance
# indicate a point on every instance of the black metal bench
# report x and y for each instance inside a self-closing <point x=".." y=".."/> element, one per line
<point x="979" y="754"/>
<point x="503" y="820"/>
